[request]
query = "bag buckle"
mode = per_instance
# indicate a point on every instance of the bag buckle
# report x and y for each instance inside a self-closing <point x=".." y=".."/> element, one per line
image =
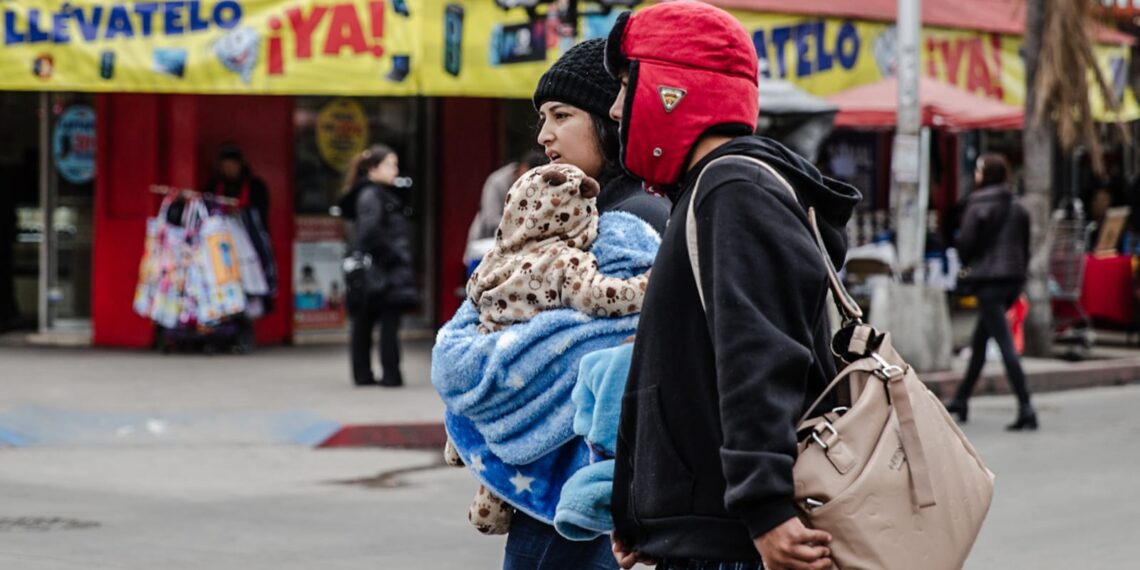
<point x="819" y="428"/>
<point x="886" y="370"/>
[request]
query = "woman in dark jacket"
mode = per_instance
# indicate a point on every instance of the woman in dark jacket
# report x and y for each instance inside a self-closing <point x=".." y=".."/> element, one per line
<point x="573" y="99"/>
<point x="381" y="233"/>
<point x="994" y="245"/>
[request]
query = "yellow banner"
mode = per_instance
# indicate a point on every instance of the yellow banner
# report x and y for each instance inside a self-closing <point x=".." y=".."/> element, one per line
<point x="825" y="56"/>
<point x="210" y="46"/>
<point x="438" y="48"/>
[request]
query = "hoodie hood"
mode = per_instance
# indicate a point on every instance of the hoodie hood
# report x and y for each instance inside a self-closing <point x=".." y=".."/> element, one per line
<point x="833" y="200"/>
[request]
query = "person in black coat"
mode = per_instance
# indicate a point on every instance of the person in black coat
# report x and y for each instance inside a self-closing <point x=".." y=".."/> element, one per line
<point x="994" y="245"/>
<point x="389" y="288"/>
<point x="235" y="179"/>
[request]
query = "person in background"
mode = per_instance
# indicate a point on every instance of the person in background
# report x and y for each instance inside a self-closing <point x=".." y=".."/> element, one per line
<point x="381" y="232"/>
<point x="233" y="178"/>
<point x="994" y="247"/>
<point x="1098" y="209"/>
<point x="495" y="194"/>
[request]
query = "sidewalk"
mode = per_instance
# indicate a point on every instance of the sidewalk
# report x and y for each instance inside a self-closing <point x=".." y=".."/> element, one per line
<point x="302" y="395"/>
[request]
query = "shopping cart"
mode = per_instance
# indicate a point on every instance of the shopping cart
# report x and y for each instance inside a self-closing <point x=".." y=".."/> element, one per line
<point x="1072" y="326"/>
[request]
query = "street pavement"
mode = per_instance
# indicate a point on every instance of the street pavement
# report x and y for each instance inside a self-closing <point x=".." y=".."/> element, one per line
<point x="157" y="486"/>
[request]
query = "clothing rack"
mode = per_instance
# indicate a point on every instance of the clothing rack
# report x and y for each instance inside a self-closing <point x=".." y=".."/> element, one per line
<point x="190" y="194"/>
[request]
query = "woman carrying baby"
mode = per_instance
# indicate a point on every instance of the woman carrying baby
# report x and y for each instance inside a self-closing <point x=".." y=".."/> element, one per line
<point x="514" y="291"/>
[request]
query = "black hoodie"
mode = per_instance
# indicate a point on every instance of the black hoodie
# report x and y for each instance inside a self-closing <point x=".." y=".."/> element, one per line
<point x="707" y="437"/>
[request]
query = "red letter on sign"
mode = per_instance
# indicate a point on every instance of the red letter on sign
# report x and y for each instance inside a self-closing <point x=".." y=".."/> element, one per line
<point x="303" y="29"/>
<point x="345" y="30"/>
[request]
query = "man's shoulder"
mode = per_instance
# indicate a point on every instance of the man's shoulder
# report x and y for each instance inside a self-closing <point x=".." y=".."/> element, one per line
<point x="740" y="178"/>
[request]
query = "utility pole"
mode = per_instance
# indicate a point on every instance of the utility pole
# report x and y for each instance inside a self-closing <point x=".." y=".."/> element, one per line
<point x="909" y="200"/>
<point x="917" y="315"/>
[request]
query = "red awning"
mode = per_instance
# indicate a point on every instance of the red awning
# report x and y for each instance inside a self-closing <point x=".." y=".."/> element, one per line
<point x="996" y="16"/>
<point x="943" y="105"/>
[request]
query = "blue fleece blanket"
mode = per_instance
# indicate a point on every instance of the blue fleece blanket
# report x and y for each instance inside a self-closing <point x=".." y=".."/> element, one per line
<point x="508" y="393"/>
<point x="584" y="511"/>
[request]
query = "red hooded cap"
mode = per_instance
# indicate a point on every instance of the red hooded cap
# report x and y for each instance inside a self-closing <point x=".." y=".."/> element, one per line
<point x="691" y="67"/>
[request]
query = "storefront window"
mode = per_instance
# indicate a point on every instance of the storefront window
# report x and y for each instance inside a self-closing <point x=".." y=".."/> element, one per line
<point x="328" y="133"/>
<point x="26" y="199"/>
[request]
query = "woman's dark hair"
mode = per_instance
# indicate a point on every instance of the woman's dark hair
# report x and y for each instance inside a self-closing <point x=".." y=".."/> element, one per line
<point x="365" y="161"/>
<point x="609" y="141"/>
<point x="994" y="168"/>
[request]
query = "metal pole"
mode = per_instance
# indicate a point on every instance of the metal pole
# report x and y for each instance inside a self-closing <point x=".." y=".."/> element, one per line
<point x="47" y="209"/>
<point x="910" y="221"/>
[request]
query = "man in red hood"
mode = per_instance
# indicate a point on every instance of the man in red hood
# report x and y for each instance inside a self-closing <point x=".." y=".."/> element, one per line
<point x="722" y="369"/>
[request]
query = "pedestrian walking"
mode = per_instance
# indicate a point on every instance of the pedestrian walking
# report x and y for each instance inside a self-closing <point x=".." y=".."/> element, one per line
<point x="388" y="287"/>
<point x="722" y="367"/>
<point x="994" y="246"/>
<point x="572" y="99"/>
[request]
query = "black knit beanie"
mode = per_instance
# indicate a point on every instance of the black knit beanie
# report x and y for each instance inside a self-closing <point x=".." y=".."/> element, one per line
<point x="579" y="78"/>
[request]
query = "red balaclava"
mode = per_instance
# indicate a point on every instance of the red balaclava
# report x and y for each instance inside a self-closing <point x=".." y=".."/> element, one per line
<point x="691" y="67"/>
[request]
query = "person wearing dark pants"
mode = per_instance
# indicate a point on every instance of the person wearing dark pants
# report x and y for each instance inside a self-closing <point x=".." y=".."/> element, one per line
<point x="363" y="326"/>
<point x="386" y="285"/>
<point x="994" y="244"/>
<point x="531" y="545"/>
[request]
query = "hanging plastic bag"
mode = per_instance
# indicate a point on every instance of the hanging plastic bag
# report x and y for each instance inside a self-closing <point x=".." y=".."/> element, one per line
<point x="259" y="237"/>
<point x="174" y="251"/>
<point x="252" y="276"/>
<point x="150" y="268"/>
<point x="218" y="264"/>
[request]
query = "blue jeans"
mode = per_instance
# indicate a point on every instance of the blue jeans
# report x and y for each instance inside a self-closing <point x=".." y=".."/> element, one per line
<point x="688" y="564"/>
<point x="535" y="545"/>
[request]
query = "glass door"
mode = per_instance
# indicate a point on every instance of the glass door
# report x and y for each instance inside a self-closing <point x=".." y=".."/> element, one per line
<point x="67" y="147"/>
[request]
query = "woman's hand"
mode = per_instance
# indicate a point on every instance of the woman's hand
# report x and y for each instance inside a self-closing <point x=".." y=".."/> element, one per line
<point x="626" y="557"/>
<point x="793" y="546"/>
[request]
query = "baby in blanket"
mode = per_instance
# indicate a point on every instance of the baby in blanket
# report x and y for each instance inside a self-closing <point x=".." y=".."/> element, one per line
<point x="540" y="262"/>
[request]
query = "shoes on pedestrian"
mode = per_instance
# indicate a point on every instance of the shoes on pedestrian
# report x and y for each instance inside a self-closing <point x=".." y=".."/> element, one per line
<point x="1026" y="420"/>
<point x="390" y="382"/>
<point x="959" y="408"/>
<point x="365" y="383"/>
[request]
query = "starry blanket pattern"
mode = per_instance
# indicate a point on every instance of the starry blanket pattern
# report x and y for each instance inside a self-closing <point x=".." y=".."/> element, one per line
<point x="508" y="393"/>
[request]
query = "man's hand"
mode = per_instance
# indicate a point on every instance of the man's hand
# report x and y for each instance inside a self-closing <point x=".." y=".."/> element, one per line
<point x="626" y="557"/>
<point x="792" y="546"/>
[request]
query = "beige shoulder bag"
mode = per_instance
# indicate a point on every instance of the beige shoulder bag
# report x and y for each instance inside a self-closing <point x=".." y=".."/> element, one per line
<point x="892" y="478"/>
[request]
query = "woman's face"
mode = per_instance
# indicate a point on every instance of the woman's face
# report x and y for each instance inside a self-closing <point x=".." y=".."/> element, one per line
<point x="387" y="171"/>
<point x="567" y="135"/>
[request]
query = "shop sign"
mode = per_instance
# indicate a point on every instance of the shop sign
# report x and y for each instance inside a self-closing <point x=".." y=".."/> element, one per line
<point x="318" y="284"/>
<point x="211" y="46"/>
<point x="342" y="132"/>
<point x="73" y="144"/>
<point x="825" y="56"/>
<point x="469" y="48"/>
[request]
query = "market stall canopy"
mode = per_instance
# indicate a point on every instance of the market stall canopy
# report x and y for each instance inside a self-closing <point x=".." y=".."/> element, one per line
<point x="779" y="97"/>
<point x="796" y="118"/>
<point x="942" y="105"/>
<point x="996" y="16"/>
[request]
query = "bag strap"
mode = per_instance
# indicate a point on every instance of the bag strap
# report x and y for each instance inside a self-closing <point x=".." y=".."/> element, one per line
<point x="846" y="305"/>
<point x="892" y="374"/>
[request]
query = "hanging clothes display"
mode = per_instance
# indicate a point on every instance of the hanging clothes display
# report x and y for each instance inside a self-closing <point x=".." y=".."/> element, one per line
<point x="202" y="271"/>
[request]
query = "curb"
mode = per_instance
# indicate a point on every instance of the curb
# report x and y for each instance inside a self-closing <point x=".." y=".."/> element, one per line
<point x="405" y="436"/>
<point x="1075" y="376"/>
